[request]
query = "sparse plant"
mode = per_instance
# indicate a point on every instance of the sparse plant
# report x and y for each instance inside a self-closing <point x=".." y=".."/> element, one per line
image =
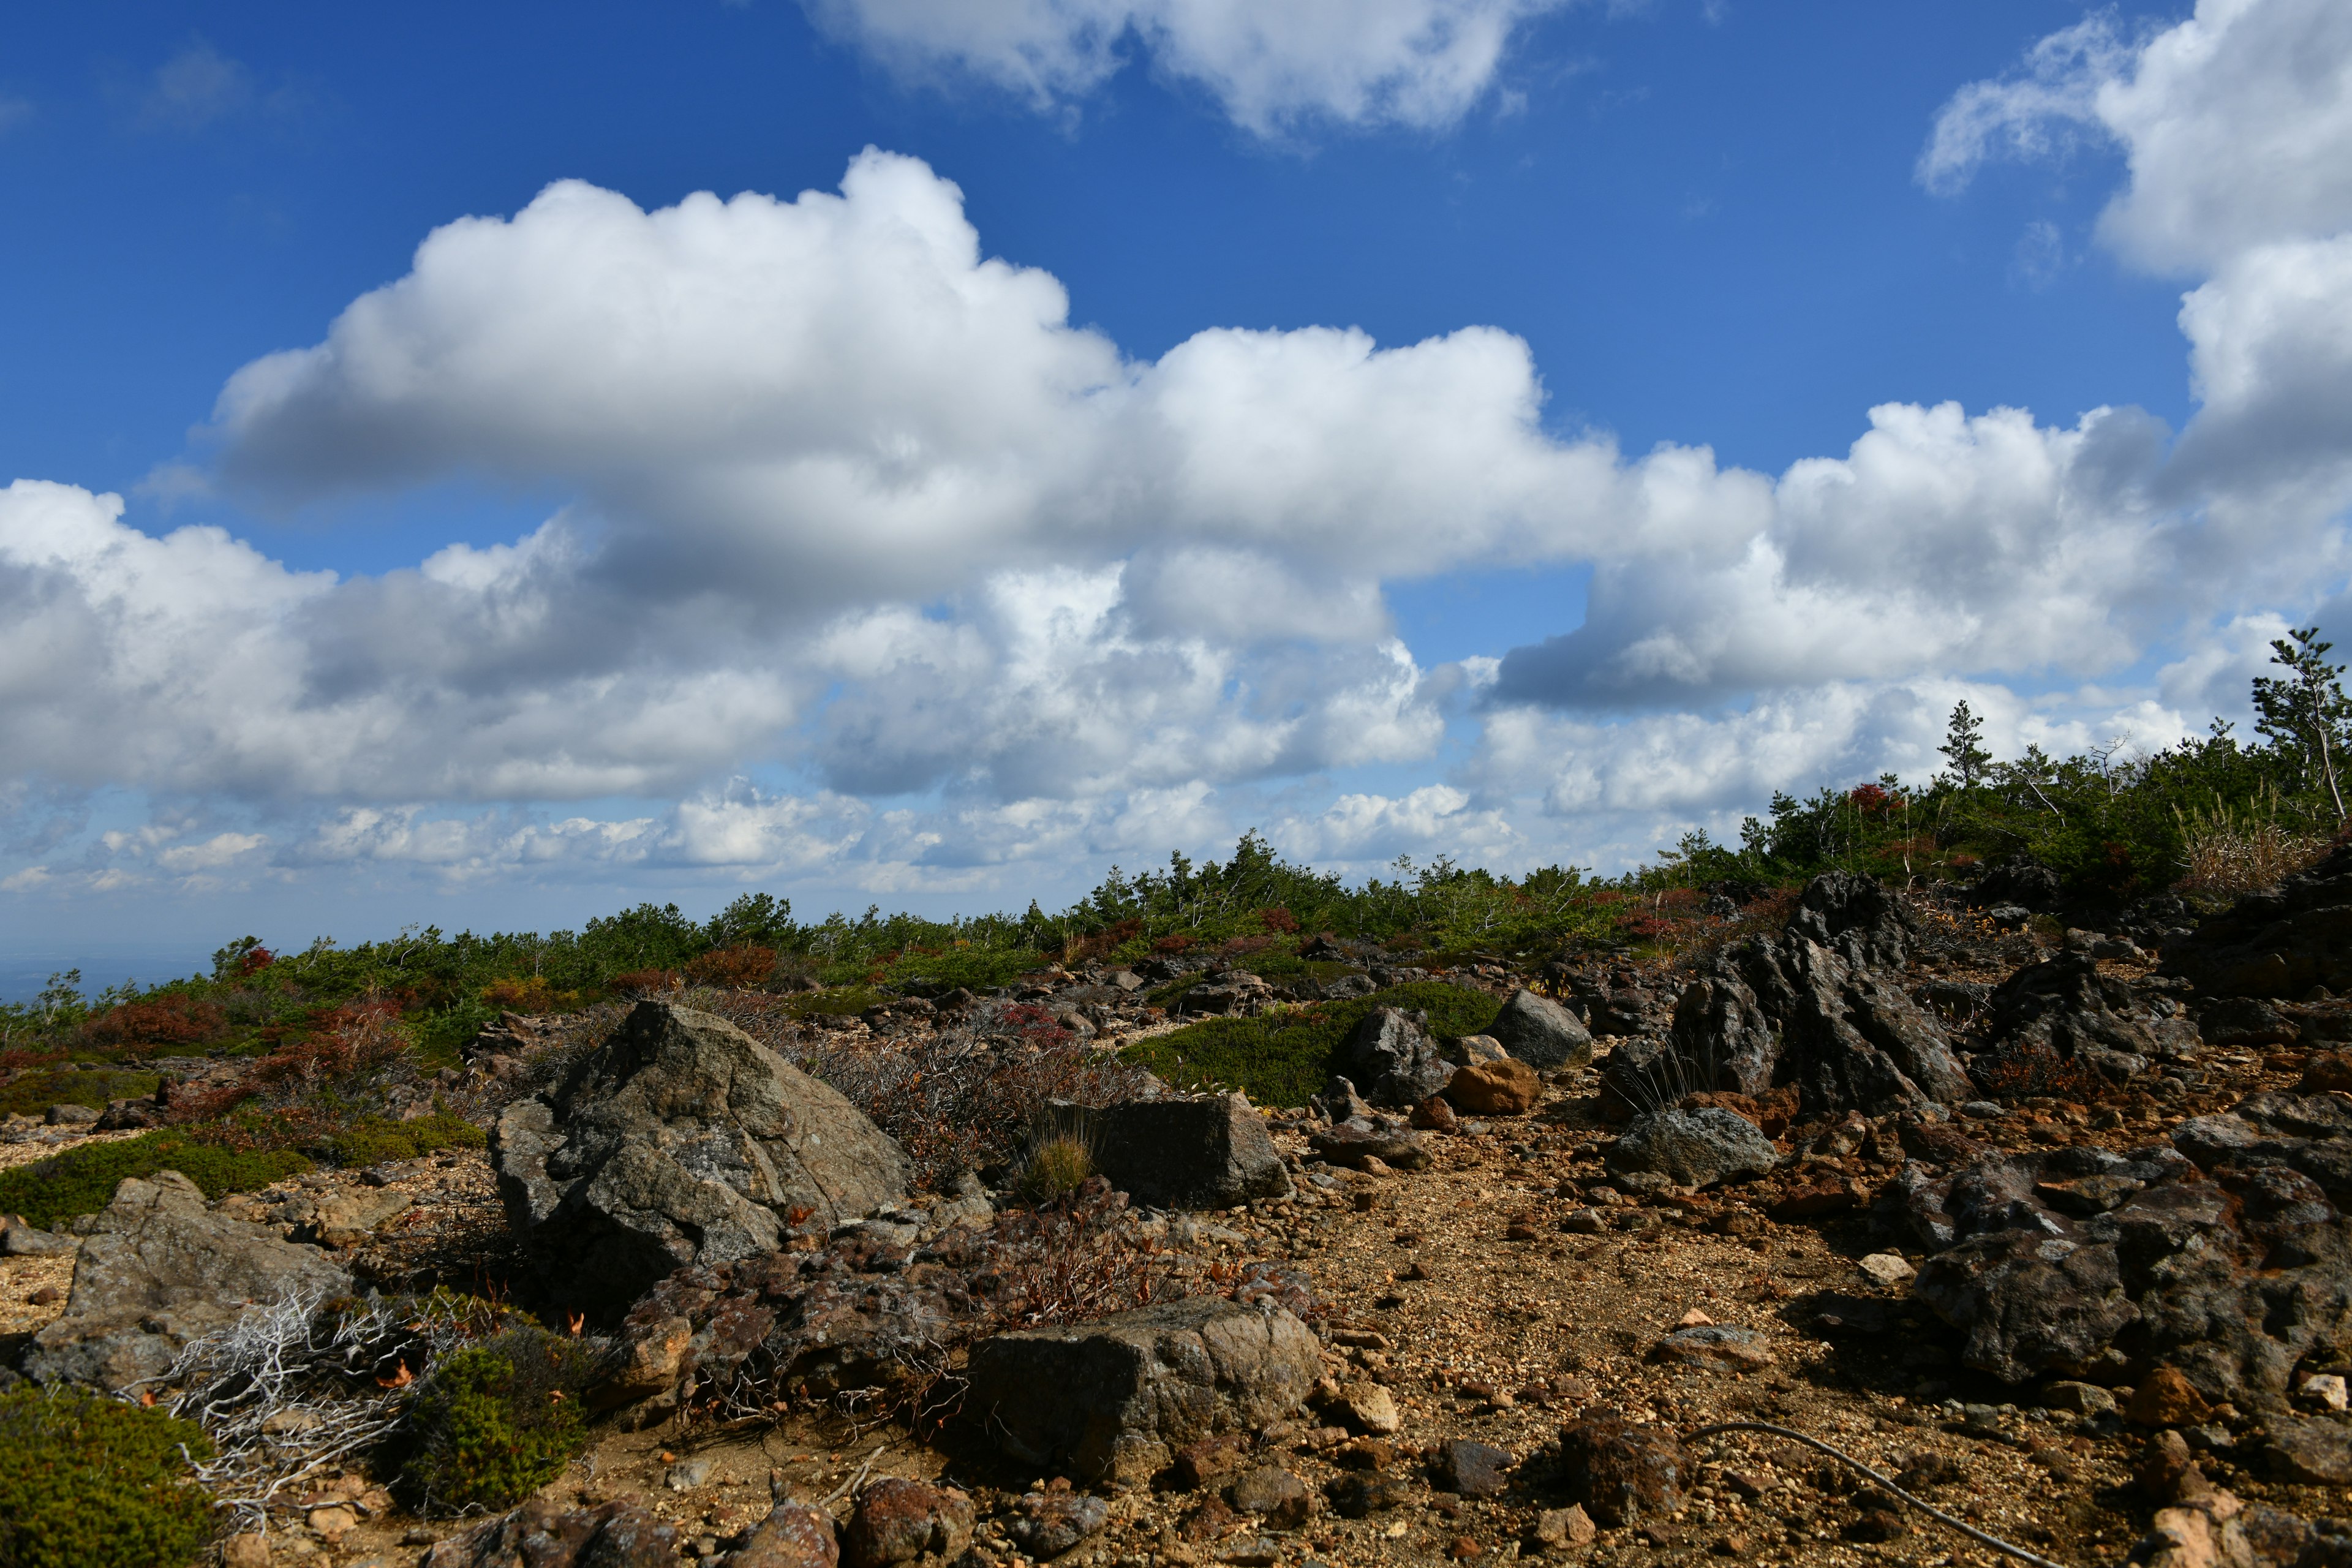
<point x="1061" y="1157"/>
<point x="2228" y="853"/>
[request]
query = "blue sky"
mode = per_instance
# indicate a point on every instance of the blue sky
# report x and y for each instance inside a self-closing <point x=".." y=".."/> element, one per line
<point x="1024" y="504"/>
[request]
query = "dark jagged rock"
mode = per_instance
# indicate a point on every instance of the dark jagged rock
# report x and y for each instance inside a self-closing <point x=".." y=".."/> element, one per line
<point x="2277" y="944"/>
<point x="2019" y="879"/>
<point x="1814" y="1009"/>
<point x="1857" y="918"/>
<point x="2065" y="1006"/>
<point x="1182" y="1152"/>
<point x="1391" y="1056"/>
<point x="2224" y="1256"/>
<point x="681" y="1141"/>
<point x="1116" y="1398"/>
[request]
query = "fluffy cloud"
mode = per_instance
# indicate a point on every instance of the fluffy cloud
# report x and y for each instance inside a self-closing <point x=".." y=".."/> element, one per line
<point x="1420" y="63"/>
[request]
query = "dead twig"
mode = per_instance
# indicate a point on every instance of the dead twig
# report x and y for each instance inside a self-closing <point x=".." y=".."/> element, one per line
<point x="1930" y="1510"/>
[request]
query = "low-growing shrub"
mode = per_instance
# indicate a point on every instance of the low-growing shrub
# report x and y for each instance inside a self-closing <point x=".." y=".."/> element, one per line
<point x="82" y="1180"/>
<point x="495" y="1421"/>
<point x="37" y="1091"/>
<point x="86" y="1482"/>
<point x="520" y="993"/>
<point x="173" y="1019"/>
<point x="644" y="983"/>
<point x="734" y="968"/>
<point x="1282" y="1058"/>
<point x="373" y="1140"/>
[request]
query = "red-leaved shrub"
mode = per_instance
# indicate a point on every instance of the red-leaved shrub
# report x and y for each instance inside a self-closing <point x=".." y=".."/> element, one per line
<point x="734" y="968"/>
<point x="174" y="1018"/>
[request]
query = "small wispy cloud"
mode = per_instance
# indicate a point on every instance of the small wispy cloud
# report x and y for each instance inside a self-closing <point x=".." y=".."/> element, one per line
<point x="2040" y="257"/>
<point x="195" y="87"/>
<point x="14" y="110"/>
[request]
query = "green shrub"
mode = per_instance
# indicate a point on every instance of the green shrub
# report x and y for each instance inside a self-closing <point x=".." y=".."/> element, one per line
<point x="496" y="1422"/>
<point x="86" y="1482"/>
<point x="1057" y="1167"/>
<point x="373" y="1140"/>
<point x="37" y="1091"/>
<point x="81" y="1181"/>
<point x="1281" y="1059"/>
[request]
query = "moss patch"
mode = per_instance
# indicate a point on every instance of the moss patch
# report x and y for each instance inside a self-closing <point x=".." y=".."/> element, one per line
<point x="82" y="1180"/>
<point x="86" y="1482"/>
<point x="1281" y="1059"/>
<point x="374" y="1140"/>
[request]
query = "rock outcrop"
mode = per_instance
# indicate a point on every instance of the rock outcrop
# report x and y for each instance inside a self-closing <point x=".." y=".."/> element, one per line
<point x="680" y="1141"/>
<point x="159" y="1269"/>
<point x="544" y="1534"/>
<point x="2277" y="944"/>
<point x="1115" y="1399"/>
<point x="2225" y="1254"/>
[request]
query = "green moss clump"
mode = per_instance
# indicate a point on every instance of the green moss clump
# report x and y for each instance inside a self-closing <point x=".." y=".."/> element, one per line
<point x="1282" y="1058"/>
<point x="373" y="1140"/>
<point x="496" y="1422"/>
<point x="83" y="1180"/>
<point x="86" y="1482"/>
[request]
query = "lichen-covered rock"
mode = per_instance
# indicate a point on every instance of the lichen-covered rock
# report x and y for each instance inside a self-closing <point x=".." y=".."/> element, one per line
<point x="794" y="1535"/>
<point x="1540" y="1031"/>
<point x="1697" y="1148"/>
<point x="1182" y="1152"/>
<point x="1116" y="1398"/>
<point x="159" y="1269"/>
<point x="681" y="1140"/>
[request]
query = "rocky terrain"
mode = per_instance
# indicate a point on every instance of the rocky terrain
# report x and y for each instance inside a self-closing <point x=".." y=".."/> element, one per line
<point x="2043" y="1225"/>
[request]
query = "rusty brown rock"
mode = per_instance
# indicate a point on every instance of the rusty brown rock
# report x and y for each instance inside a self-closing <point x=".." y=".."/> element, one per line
<point x="2166" y="1398"/>
<point x="1505" y="1087"/>
<point x="898" y="1520"/>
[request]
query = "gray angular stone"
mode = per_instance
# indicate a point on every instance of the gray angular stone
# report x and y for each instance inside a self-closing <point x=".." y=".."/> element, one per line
<point x="1050" y="1523"/>
<point x="1541" y="1033"/>
<point x="1182" y="1152"/>
<point x="159" y="1269"/>
<point x="1697" y="1148"/>
<point x="681" y="1140"/>
<point x="1115" y="1399"/>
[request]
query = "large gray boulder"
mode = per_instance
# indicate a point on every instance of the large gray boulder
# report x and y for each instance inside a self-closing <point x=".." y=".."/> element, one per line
<point x="1393" y="1057"/>
<point x="159" y="1269"/>
<point x="1697" y="1148"/>
<point x="1114" y="1399"/>
<point x="682" y="1140"/>
<point x="1182" y="1152"/>
<point x="1541" y="1033"/>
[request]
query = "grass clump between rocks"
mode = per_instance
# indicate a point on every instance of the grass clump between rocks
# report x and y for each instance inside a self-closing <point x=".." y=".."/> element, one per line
<point x="496" y="1422"/>
<point x="86" y="1482"/>
<point x="1282" y="1058"/>
<point x="83" y="1180"/>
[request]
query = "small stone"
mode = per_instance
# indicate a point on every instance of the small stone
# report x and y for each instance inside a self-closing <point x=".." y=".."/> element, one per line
<point x="1713" y="1348"/>
<point x="1464" y="1547"/>
<point x="331" y="1523"/>
<point x="1888" y="1268"/>
<point x="1355" y="1496"/>
<point x="249" y="1550"/>
<point x="47" y="1296"/>
<point x="2324" y="1390"/>
<point x="2166" y="1398"/>
<point x="1623" y="1473"/>
<point x="1363" y="1454"/>
<point x="1558" y="1528"/>
<point x="1694" y="1318"/>
<point x="688" y="1474"/>
<point x="1880" y="1524"/>
<point x="1257" y="1551"/>
<point x="1200" y="1463"/>
<point x="1370" y="1408"/>
<point x="1732" y="1545"/>
<point x="1275" y="1493"/>
<point x="1434" y="1115"/>
<point x="2078" y="1398"/>
<point x="898" y="1520"/>
<point x="2310" y="1452"/>
<point x="1207" y="1521"/>
<point x="1471" y="1469"/>
<point x="1050" y="1523"/>
<point x="1504" y="1088"/>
